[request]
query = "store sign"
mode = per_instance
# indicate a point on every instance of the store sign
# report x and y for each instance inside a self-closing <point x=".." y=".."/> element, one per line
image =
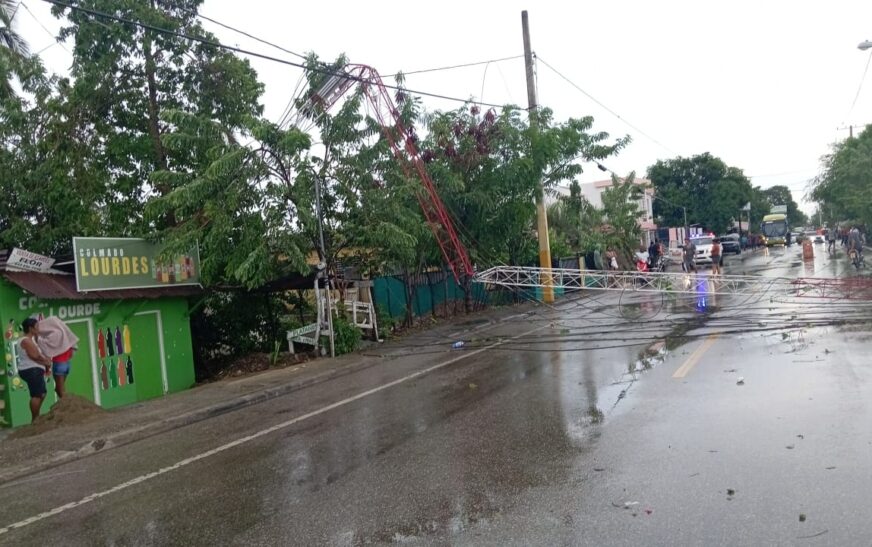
<point x="21" y="260"/>
<point x="106" y="263"/>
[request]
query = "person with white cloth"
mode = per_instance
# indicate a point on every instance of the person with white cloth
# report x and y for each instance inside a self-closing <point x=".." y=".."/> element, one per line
<point x="57" y="342"/>
<point x="33" y="366"/>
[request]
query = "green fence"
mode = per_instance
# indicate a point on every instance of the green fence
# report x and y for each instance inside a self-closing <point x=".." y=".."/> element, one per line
<point x="431" y="293"/>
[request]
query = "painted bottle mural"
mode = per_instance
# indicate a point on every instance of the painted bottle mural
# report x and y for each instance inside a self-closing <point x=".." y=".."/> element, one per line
<point x="113" y="373"/>
<point x="104" y="375"/>
<point x="125" y="335"/>
<point x="129" y="370"/>
<point x="113" y="345"/>
<point x="10" y="329"/>
<point x="122" y="373"/>
<point x="101" y="344"/>
<point x="110" y="342"/>
<point x="119" y="344"/>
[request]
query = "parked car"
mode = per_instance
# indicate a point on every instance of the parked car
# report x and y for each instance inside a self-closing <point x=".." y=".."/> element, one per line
<point x="703" y="250"/>
<point x="731" y="243"/>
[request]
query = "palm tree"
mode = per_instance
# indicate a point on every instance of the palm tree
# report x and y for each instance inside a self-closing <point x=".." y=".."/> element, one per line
<point x="9" y="39"/>
<point x="13" y="48"/>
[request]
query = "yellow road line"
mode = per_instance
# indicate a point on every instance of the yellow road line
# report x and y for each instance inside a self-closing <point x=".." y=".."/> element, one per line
<point x="695" y="356"/>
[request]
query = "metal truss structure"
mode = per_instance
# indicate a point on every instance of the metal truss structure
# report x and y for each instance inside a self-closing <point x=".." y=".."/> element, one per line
<point x="404" y="144"/>
<point x="856" y="288"/>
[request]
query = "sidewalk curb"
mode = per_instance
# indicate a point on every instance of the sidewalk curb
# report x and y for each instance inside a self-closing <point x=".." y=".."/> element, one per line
<point x="129" y="436"/>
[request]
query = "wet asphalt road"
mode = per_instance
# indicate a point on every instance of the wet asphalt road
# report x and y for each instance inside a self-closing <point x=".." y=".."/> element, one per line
<point x="561" y="435"/>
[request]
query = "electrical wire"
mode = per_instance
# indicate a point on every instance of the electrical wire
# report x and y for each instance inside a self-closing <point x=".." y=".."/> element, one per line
<point x="465" y="65"/>
<point x="606" y="108"/>
<point x="320" y="70"/>
<point x="860" y="87"/>
<point x="242" y="32"/>
<point x="50" y="33"/>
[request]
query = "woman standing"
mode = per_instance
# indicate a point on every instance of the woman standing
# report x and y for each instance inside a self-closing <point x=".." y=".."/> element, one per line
<point x="32" y="365"/>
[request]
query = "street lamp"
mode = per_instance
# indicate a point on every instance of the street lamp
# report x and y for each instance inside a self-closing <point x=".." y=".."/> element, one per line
<point x="602" y="167"/>
<point x="864" y="45"/>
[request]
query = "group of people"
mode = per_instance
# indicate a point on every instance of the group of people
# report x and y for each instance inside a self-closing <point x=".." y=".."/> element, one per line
<point x="650" y="258"/>
<point x="47" y="348"/>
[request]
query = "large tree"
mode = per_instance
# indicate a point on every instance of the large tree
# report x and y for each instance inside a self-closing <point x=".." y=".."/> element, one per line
<point x="126" y="79"/>
<point x="781" y="195"/>
<point x="842" y="189"/>
<point x="710" y="190"/>
<point x="488" y="166"/>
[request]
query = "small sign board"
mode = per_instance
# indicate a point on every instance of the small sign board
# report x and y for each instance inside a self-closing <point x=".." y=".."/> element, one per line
<point x="298" y="336"/>
<point x="21" y="260"/>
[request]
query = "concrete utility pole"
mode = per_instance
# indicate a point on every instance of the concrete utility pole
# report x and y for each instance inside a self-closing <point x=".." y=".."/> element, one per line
<point x="541" y="213"/>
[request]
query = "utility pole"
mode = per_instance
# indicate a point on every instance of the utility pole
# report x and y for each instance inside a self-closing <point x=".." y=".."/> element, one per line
<point x="322" y="271"/>
<point x="541" y="213"/>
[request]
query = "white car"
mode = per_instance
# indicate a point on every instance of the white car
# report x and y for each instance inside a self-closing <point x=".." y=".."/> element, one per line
<point x="703" y="250"/>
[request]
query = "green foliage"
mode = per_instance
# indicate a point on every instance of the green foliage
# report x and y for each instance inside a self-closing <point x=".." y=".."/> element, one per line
<point x="781" y="195"/>
<point x="842" y="189"/>
<point x="488" y="167"/>
<point x="710" y="190"/>
<point x="586" y="228"/>
<point x="228" y="324"/>
<point x="346" y="337"/>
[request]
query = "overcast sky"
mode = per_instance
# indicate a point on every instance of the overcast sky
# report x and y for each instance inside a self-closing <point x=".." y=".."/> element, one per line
<point x="763" y="85"/>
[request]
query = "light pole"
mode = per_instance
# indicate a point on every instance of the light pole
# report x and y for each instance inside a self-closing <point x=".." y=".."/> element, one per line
<point x="602" y="167"/>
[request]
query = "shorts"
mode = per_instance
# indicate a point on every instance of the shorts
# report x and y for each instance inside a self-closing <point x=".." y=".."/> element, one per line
<point x="60" y="369"/>
<point x="35" y="379"/>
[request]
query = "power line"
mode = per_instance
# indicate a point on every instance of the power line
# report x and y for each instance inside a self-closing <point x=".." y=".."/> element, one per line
<point x="50" y="33"/>
<point x="609" y="110"/>
<point x="860" y="87"/>
<point x="238" y="31"/>
<point x="465" y="65"/>
<point x="95" y="13"/>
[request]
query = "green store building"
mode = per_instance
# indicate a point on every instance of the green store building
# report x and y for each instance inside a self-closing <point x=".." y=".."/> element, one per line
<point x="134" y="343"/>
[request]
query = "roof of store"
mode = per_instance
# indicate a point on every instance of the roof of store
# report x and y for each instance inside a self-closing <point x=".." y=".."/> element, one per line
<point x="63" y="286"/>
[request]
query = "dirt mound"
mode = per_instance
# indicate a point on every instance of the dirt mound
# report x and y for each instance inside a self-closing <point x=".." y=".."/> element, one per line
<point x="70" y="410"/>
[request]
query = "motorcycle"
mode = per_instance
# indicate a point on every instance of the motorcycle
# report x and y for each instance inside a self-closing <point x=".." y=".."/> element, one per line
<point x="658" y="264"/>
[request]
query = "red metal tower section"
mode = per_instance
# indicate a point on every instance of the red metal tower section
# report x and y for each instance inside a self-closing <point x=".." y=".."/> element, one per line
<point x="402" y="142"/>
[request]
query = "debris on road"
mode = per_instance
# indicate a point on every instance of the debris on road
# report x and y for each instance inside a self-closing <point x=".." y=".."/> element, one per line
<point x="790" y="447"/>
<point x="802" y="517"/>
<point x="473" y="386"/>
<point x="830" y="468"/>
<point x="457" y="345"/>
<point x="813" y="535"/>
<point x="740" y="381"/>
<point x="800" y="436"/>
<point x="731" y="370"/>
